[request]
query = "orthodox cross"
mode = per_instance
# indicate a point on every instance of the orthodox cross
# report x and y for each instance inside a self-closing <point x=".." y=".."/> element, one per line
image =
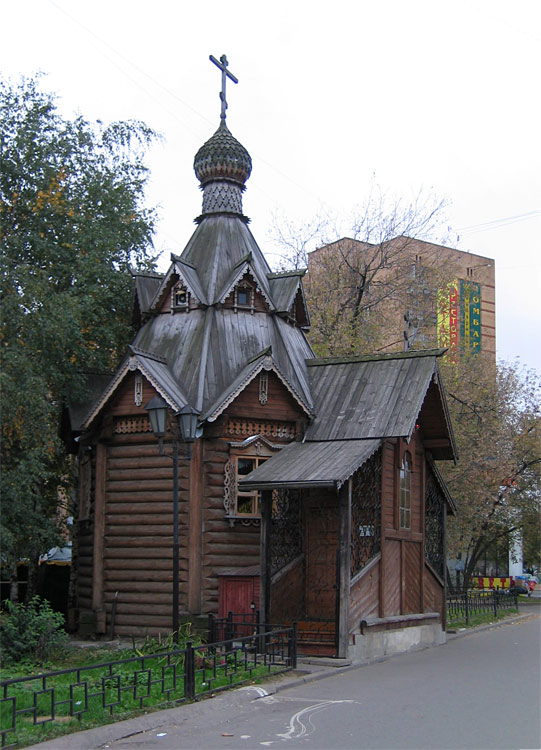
<point x="222" y="64"/>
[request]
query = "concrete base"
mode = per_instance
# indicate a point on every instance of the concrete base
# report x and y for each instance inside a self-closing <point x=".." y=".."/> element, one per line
<point x="376" y="645"/>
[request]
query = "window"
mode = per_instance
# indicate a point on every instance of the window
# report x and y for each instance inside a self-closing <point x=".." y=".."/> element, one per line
<point x="405" y="492"/>
<point x="248" y="503"/>
<point x="180" y="297"/>
<point x="244" y="296"/>
<point x="241" y="504"/>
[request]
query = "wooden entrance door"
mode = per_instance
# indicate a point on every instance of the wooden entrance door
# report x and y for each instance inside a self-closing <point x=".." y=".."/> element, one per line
<point x="321" y="555"/>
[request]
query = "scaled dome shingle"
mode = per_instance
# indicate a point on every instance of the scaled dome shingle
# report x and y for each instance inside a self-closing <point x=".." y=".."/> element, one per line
<point x="222" y="157"/>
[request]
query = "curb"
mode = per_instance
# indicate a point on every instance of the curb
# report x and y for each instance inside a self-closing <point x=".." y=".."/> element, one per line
<point x="489" y="626"/>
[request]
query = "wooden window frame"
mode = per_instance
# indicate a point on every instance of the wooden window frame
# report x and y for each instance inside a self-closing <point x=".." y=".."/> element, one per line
<point x="256" y="452"/>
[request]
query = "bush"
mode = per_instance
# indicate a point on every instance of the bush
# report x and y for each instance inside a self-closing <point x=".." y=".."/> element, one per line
<point x="33" y="631"/>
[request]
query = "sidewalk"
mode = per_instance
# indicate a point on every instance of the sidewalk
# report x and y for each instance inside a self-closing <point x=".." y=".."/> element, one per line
<point x="309" y="669"/>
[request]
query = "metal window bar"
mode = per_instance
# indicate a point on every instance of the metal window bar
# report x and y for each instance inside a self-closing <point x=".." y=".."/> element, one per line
<point x="168" y="677"/>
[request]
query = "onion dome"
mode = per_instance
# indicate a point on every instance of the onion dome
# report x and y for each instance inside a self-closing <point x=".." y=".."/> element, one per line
<point x="222" y="157"/>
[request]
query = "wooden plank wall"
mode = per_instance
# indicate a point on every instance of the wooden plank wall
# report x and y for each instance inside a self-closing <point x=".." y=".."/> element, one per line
<point x="433" y="593"/>
<point x="364" y="595"/>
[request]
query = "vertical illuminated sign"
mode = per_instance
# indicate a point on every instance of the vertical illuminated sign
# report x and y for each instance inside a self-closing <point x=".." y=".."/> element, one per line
<point x="470" y="298"/>
<point x="448" y="322"/>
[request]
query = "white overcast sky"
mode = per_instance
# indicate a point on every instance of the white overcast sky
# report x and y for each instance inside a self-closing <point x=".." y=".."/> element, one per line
<point x="416" y="95"/>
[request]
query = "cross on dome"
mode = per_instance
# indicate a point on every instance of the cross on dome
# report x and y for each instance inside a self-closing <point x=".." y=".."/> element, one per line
<point x="222" y="64"/>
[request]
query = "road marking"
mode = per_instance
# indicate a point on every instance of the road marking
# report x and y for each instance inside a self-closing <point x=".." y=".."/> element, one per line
<point x="297" y="727"/>
<point x="259" y="690"/>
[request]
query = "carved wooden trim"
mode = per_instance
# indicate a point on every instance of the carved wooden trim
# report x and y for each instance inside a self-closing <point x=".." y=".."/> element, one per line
<point x="127" y="425"/>
<point x="246" y="427"/>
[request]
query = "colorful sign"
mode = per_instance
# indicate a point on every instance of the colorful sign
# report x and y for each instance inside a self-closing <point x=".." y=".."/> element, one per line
<point x="448" y="319"/>
<point x="459" y="317"/>
<point x="470" y="298"/>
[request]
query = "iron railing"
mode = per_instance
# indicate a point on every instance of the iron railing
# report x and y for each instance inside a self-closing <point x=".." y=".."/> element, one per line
<point x="137" y="682"/>
<point x="235" y="626"/>
<point x="463" y="606"/>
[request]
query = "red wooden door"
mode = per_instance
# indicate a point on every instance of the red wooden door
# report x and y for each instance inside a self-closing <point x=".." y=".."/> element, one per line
<point x="236" y="594"/>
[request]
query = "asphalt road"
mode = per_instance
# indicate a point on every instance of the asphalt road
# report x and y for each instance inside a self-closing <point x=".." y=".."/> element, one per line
<point x="479" y="691"/>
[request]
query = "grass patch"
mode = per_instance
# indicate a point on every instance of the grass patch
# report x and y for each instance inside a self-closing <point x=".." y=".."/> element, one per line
<point x="482" y="618"/>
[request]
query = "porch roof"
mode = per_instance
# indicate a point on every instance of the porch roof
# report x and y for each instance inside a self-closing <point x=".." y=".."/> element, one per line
<point x="327" y="463"/>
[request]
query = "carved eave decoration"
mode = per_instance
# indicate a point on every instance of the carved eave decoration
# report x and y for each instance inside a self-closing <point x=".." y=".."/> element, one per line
<point x="132" y="363"/>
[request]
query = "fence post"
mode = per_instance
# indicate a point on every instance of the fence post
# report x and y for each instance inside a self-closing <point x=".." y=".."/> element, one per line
<point x="229" y="627"/>
<point x="466" y="608"/>
<point x="495" y="600"/>
<point x="189" y="672"/>
<point x="515" y="596"/>
<point x="292" y="647"/>
<point x="210" y="628"/>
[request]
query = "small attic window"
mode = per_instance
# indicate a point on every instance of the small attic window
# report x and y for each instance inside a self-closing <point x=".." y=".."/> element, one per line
<point x="180" y="298"/>
<point x="244" y="297"/>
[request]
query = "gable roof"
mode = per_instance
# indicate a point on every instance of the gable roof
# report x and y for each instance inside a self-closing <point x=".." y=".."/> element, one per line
<point x="377" y="397"/>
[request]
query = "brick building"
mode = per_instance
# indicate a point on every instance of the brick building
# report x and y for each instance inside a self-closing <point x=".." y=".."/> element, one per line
<point x="440" y="296"/>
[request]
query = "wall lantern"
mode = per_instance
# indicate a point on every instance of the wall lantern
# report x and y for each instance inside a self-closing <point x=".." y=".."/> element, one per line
<point x="188" y="417"/>
<point x="157" y="412"/>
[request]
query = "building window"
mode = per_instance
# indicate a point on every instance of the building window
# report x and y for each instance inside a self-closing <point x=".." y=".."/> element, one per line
<point x="244" y="297"/>
<point x="405" y="492"/>
<point x="245" y="457"/>
<point x="248" y="503"/>
<point x="180" y="298"/>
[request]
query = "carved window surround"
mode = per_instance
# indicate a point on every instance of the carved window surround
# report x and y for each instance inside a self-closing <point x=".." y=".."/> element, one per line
<point x="245" y="505"/>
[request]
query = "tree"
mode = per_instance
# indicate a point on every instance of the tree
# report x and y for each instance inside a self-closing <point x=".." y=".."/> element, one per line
<point x="496" y="414"/>
<point x="369" y="291"/>
<point x="73" y="224"/>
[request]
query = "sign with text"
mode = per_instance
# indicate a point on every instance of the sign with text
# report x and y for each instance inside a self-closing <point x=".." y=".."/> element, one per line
<point x="470" y="297"/>
<point x="448" y="303"/>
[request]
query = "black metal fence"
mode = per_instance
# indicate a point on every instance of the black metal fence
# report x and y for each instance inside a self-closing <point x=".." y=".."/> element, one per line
<point x="132" y="684"/>
<point x="235" y="626"/>
<point x="463" y="606"/>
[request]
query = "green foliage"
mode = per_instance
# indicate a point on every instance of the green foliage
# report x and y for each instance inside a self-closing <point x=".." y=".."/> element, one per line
<point x="496" y="415"/>
<point x="31" y="631"/>
<point x="164" y="643"/>
<point x="72" y="225"/>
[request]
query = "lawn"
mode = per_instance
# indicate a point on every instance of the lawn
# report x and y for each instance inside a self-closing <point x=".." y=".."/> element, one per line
<point x="84" y="690"/>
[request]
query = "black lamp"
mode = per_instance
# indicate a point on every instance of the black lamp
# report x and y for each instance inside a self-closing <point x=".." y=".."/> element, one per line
<point x="187" y="418"/>
<point x="157" y="412"/>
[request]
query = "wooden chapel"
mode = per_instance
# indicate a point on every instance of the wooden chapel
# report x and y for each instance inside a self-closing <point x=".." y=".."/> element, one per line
<point x="311" y="492"/>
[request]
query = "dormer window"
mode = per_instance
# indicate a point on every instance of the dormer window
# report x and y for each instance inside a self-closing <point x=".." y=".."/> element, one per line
<point x="180" y="298"/>
<point x="244" y="297"/>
